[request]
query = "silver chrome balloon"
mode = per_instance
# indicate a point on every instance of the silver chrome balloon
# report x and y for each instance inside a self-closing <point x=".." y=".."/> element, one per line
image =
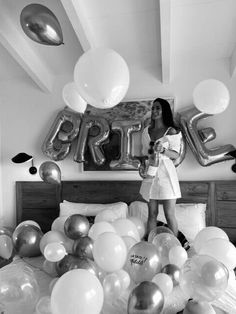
<point x="146" y="298"/>
<point x="26" y="240"/>
<point x="50" y="172"/>
<point x="41" y="25"/>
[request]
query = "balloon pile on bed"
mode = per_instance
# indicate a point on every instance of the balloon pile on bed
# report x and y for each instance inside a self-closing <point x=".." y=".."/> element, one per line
<point x="107" y="262"/>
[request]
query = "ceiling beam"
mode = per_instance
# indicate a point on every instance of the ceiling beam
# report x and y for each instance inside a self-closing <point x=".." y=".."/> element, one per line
<point x="74" y="11"/>
<point x="232" y="62"/>
<point x="165" y="23"/>
<point x="19" y="48"/>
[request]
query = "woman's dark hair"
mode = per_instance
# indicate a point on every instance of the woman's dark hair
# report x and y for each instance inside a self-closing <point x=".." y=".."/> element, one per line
<point x="166" y="112"/>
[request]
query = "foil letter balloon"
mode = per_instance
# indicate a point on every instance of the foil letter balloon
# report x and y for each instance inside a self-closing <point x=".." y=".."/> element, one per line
<point x="126" y="161"/>
<point x="188" y="121"/>
<point x="63" y="131"/>
<point x="41" y="25"/>
<point x="94" y="142"/>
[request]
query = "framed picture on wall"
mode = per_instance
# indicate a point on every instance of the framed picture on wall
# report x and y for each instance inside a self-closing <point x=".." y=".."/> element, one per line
<point x="128" y="110"/>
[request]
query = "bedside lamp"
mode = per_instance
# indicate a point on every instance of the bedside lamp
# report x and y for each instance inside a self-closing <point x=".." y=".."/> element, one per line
<point x="23" y="157"/>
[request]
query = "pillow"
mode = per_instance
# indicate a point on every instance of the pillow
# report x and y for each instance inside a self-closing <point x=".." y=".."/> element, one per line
<point x="191" y="218"/>
<point x="120" y="209"/>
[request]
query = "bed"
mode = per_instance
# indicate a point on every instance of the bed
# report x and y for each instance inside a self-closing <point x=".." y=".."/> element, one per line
<point x="40" y="202"/>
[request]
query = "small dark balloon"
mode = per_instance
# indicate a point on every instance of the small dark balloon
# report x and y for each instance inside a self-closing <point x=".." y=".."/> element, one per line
<point x="70" y="262"/>
<point x="83" y="247"/>
<point x="173" y="271"/>
<point x="41" y="25"/>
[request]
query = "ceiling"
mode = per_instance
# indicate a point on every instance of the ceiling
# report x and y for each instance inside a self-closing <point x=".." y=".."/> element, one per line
<point x="149" y="34"/>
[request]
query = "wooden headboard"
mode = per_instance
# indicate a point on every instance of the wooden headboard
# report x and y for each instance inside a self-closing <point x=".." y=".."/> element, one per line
<point x="40" y="201"/>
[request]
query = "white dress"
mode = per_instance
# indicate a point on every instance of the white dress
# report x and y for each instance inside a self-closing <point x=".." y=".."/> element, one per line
<point x="165" y="185"/>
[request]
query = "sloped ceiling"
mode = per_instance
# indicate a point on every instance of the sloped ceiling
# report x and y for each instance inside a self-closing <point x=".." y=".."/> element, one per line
<point x="150" y="34"/>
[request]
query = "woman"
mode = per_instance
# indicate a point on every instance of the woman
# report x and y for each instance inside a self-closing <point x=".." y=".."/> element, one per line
<point x="164" y="185"/>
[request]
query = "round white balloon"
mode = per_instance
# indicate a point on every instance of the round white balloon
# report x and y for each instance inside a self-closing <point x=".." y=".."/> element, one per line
<point x="211" y="96"/>
<point x="72" y="98"/>
<point x="102" y="77"/>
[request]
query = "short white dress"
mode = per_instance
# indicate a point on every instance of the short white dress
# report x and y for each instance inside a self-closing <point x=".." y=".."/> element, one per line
<point x="165" y="185"/>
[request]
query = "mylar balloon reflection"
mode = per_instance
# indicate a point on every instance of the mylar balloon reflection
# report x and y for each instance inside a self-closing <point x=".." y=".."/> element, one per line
<point x="41" y="25"/>
<point x="102" y="77"/>
<point x="26" y="240"/>
<point x="76" y="226"/>
<point x="146" y="298"/>
<point x="50" y="172"/>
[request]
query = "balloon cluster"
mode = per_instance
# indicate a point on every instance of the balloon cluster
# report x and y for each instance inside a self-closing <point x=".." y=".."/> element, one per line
<point x="105" y="259"/>
<point x="204" y="277"/>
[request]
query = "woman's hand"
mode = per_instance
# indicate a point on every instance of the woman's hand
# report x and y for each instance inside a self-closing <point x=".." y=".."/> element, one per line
<point x="158" y="147"/>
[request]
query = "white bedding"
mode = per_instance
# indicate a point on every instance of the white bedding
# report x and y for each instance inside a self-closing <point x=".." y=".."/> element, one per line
<point x="226" y="302"/>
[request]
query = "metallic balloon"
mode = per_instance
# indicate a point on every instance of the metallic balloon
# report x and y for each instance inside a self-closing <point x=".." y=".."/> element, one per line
<point x="76" y="226"/>
<point x="188" y="121"/>
<point x="94" y="142"/>
<point x="64" y="130"/>
<point x="173" y="271"/>
<point x="26" y="240"/>
<point x="83" y="247"/>
<point x="143" y="262"/>
<point x="50" y="172"/>
<point x="126" y="160"/>
<point x="70" y="262"/>
<point x="41" y="25"/>
<point x="146" y="298"/>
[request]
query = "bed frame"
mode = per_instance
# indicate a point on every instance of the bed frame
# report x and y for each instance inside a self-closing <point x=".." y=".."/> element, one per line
<point x="40" y="201"/>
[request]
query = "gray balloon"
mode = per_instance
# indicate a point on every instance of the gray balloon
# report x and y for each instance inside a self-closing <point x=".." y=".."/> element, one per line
<point x="83" y="247"/>
<point x="76" y="226"/>
<point x="26" y="240"/>
<point x="146" y="298"/>
<point x="50" y="172"/>
<point x="41" y="25"/>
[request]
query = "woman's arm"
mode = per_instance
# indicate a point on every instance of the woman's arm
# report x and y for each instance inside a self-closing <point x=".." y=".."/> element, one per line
<point x="172" y="154"/>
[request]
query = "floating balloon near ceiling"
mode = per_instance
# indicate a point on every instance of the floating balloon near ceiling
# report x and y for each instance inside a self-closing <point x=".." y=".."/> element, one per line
<point x="102" y="77"/>
<point x="41" y="25"/>
<point x="211" y="96"/>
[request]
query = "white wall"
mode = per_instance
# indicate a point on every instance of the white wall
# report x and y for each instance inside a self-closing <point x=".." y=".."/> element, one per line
<point x="26" y="115"/>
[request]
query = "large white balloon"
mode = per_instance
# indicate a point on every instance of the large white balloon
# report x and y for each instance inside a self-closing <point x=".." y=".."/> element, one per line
<point x="72" y="98"/>
<point x="211" y="96"/>
<point x="102" y="77"/>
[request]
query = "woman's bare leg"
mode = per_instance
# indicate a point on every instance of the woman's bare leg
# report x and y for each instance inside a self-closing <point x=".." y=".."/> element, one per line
<point x="152" y="215"/>
<point x="169" y="210"/>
